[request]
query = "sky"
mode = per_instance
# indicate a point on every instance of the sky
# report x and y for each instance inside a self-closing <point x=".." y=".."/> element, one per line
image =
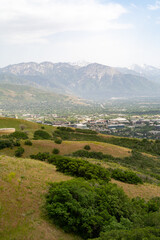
<point x="111" y="32"/>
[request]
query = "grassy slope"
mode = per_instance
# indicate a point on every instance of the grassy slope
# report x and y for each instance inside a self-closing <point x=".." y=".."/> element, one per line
<point x="67" y="147"/>
<point x="23" y="183"/>
<point x="145" y="190"/>
<point x="30" y="127"/>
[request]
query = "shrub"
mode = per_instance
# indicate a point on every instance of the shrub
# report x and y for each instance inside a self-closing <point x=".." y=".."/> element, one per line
<point x="40" y="134"/>
<point x="19" y="135"/>
<point x="86" y="207"/>
<point x="87" y="147"/>
<point x="17" y="143"/>
<point x="5" y="144"/>
<point x="67" y="129"/>
<point x="80" y="168"/>
<point x="87" y="131"/>
<point x="22" y="127"/>
<point x="143" y="145"/>
<point x="55" y="151"/>
<point x="126" y="176"/>
<point x="58" y="141"/>
<point x="28" y="142"/>
<point x="42" y="127"/>
<point x="148" y="233"/>
<point x="93" y="209"/>
<point x="19" y="152"/>
<point x="40" y="156"/>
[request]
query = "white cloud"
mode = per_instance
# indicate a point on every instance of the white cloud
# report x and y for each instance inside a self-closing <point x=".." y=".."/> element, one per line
<point x="155" y="6"/>
<point x="35" y="20"/>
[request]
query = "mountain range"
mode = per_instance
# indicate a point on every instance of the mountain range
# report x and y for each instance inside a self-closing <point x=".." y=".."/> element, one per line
<point x="88" y="81"/>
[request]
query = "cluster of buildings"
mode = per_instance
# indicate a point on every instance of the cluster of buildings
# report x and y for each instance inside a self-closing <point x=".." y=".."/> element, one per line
<point x="121" y="124"/>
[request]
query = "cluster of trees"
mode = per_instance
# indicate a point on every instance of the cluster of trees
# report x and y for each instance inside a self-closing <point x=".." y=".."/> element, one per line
<point x="80" y="168"/>
<point x="41" y="134"/>
<point x="5" y="143"/>
<point x="103" y="211"/>
<point x="74" y="167"/>
<point x="66" y="129"/>
<point x="146" y="233"/>
<point x="41" y="156"/>
<point x="18" y="135"/>
<point x="143" y="145"/>
<point x="67" y="133"/>
<point x="126" y="176"/>
<point x="19" y="152"/>
<point x="28" y="142"/>
<point x="138" y="161"/>
<point x="85" y="131"/>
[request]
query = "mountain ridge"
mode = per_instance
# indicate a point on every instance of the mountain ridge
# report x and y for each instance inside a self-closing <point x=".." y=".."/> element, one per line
<point x="93" y="81"/>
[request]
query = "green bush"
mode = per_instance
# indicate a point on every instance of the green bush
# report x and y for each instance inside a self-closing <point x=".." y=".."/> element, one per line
<point x="102" y="211"/>
<point x="58" y="141"/>
<point x="19" y="152"/>
<point x="93" y="154"/>
<point x="17" y="143"/>
<point x="40" y="134"/>
<point x="143" y="145"/>
<point x="42" y="127"/>
<point x="28" y="142"/>
<point x="87" y="147"/>
<point x="19" y="135"/>
<point x="86" y="131"/>
<point x="5" y="144"/>
<point x="148" y="233"/>
<point x="65" y="135"/>
<point x="41" y="156"/>
<point x="86" y="207"/>
<point x="55" y="151"/>
<point x="126" y="176"/>
<point x="79" y="168"/>
<point x="67" y="129"/>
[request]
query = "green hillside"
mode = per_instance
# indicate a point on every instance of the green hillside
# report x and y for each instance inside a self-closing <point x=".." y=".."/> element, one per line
<point x="24" y="183"/>
<point x="29" y="127"/>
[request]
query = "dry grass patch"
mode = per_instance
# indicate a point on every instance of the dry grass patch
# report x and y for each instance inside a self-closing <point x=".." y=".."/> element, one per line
<point x="145" y="191"/>
<point x="23" y="183"/>
<point x="68" y="147"/>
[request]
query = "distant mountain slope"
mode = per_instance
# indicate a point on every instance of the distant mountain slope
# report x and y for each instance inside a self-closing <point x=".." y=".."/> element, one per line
<point x="150" y="72"/>
<point x="93" y="81"/>
<point x="21" y="97"/>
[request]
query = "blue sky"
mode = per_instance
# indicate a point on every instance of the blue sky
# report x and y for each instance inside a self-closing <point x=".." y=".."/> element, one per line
<point x="115" y="33"/>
